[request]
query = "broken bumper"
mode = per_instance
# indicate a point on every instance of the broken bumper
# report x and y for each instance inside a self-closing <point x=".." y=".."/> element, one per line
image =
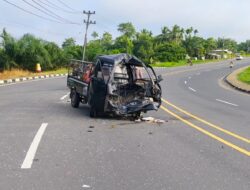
<point x="133" y="107"/>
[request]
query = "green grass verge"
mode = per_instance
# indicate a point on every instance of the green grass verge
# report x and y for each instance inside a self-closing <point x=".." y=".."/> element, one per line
<point x="244" y="76"/>
<point x="57" y="71"/>
<point x="182" y="63"/>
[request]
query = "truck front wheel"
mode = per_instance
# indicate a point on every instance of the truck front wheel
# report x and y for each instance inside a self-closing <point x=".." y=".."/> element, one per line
<point x="75" y="99"/>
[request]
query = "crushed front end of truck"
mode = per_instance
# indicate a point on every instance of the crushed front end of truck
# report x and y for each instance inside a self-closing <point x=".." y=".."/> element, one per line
<point x="132" y="86"/>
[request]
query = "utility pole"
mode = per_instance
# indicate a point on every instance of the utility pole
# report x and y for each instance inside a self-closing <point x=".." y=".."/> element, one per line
<point x="87" y="22"/>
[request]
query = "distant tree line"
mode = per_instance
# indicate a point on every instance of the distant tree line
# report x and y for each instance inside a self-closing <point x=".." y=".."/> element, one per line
<point x="172" y="44"/>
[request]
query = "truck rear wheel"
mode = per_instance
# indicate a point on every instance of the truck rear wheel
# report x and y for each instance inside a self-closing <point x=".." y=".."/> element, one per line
<point x="92" y="112"/>
<point x="75" y="99"/>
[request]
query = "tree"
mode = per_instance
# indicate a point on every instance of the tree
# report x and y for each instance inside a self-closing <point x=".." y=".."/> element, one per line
<point x="9" y="51"/>
<point x="69" y="42"/>
<point x="95" y="35"/>
<point x="169" y="52"/>
<point x="195" y="46"/>
<point x="127" y="29"/>
<point x="210" y="44"/>
<point x="198" y="47"/>
<point x="107" y="41"/>
<point x="56" y="56"/>
<point x="196" y="32"/>
<point x="94" y="48"/>
<point x="189" y="32"/>
<point x="123" y="44"/>
<point x="164" y="36"/>
<point x="227" y="43"/>
<point x="176" y="34"/>
<point x="244" y="46"/>
<point x="32" y="51"/>
<point x="143" y="45"/>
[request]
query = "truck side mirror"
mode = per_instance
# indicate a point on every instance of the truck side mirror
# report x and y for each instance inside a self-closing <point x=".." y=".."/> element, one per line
<point x="159" y="78"/>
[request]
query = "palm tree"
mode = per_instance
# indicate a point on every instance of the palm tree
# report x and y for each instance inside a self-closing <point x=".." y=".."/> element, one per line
<point x="196" y="32"/>
<point x="177" y="34"/>
<point x="188" y="32"/>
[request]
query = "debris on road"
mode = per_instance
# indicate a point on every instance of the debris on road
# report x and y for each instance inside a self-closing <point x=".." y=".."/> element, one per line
<point x="150" y="120"/>
<point x="86" y="186"/>
<point x="91" y="127"/>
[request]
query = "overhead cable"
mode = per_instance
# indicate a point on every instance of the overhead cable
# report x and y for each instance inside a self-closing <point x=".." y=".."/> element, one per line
<point x="27" y="11"/>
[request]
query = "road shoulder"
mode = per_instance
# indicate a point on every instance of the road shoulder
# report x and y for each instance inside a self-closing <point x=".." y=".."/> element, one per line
<point x="232" y="80"/>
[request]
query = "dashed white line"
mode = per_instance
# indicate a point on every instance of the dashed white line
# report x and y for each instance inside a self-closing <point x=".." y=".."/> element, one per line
<point x="28" y="161"/>
<point x="192" y="89"/>
<point x="65" y="96"/>
<point x="225" y="102"/>
<point x="185" y="82"/>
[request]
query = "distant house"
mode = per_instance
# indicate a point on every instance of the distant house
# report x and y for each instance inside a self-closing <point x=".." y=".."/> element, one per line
<point x="219" y="53"/>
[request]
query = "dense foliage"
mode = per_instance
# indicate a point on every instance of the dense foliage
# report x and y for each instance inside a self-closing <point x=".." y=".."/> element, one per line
<point x="173" y="44"/>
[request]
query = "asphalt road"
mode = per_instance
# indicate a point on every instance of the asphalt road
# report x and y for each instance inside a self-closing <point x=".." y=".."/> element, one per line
<point x="46" y="144"/>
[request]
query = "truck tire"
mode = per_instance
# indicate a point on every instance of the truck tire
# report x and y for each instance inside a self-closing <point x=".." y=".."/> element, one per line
<point x="75" y="99"/>
<point x="92" y="112"/>
<point x="137" y="115"/>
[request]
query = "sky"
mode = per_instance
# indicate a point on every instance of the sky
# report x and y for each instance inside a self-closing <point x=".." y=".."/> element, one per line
<point x="213" y="18"/>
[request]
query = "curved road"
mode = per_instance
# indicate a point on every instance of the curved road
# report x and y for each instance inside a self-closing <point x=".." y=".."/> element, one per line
<point x="46" y="144"/>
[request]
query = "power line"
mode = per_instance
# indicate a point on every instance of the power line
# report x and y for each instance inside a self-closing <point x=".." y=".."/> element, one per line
<point x="66" y="5"/>
<point x="48" y="14"/>
<point x="42" y="17"/>
<point x="70" y="22"/>
<point x="53" y="6"/>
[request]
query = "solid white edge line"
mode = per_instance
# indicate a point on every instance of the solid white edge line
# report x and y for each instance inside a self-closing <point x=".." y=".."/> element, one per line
<point x="28" y="161"/>
<point x="65" y="96"/>
<point x="29" y="81"/>
<point x="192" y="89"/>
<point x="229" y="103"/>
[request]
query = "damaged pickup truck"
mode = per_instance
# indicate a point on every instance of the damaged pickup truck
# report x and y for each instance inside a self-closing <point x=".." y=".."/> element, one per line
<point x="118" y="85"/>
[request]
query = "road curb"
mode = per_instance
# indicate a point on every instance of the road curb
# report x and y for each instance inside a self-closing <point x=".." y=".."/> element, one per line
<point x="19" y="80"/>
<point x="232" y="80"/>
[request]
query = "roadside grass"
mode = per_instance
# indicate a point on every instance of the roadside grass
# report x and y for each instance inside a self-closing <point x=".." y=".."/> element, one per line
<point x="246" y="55"/>
<point x="17" y="73"/>
<point x="183" y="63"/>
<point x="244" y="76"/>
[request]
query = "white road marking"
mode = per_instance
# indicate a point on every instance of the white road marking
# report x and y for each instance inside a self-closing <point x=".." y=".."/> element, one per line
<point x="86" y="186"/>
<point x="185" y="82"/>
<point x="229" y="103"/>
<point x="189" y="77"/>
<point x="28" y="161"/>
<point x="65" y="96"/>
<point x="192" y="89"/>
